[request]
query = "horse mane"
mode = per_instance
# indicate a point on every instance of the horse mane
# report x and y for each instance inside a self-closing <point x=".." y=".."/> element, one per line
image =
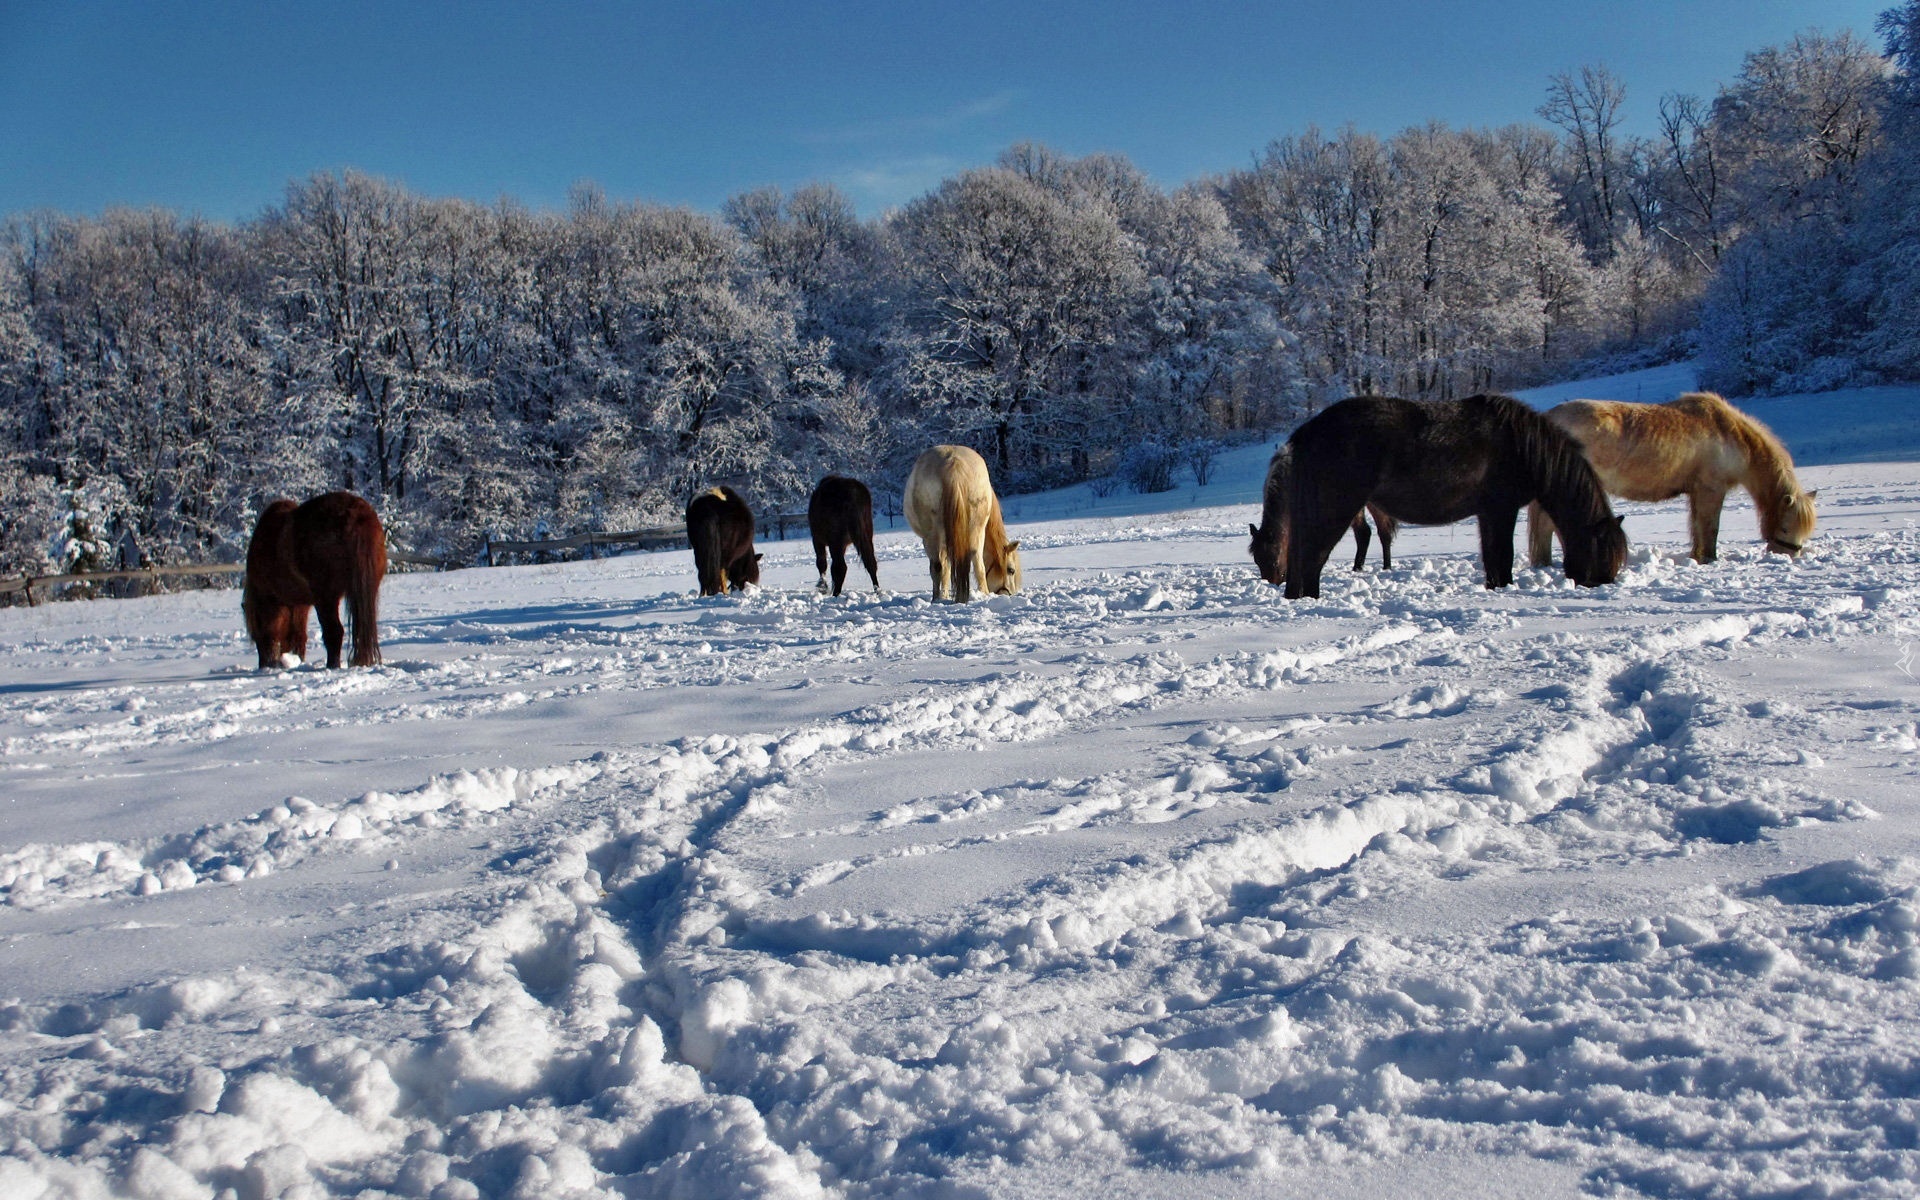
<point x="1556" y="463"/>
<point x="1769" y="474"/>
<point x="1273" y="492"/>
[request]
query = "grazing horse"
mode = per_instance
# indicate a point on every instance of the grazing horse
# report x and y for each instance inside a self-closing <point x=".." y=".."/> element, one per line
<point x="1269" y="545"/>
<point x="720" y="528"/>
<point x="1698" y="446"/>
<point x="841" y="512"/>
<point x="1440" y="462"/>
<point x="951" y="505"/>
<point x="310" y="556"/>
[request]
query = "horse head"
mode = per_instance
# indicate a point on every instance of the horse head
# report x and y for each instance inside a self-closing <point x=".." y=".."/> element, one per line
<point x="1003" y="574"/>
<point x="1790" y="523"/>
<point x="1596" y="551"/>
<point x="745" y="570"/>
<point x="1269" y="555"/>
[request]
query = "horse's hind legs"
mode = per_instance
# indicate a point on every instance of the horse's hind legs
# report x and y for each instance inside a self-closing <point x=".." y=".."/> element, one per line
<point x="839" y="568"/>
<point x="1361" y="537"/>
<point x="820" y="561"/>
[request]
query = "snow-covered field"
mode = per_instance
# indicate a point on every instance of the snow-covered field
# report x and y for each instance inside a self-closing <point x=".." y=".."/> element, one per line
<point x="1142" y="882"/>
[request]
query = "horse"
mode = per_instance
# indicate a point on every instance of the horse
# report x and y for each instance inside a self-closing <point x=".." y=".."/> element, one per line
<point x="951" y="505"/>
<point x="1439" y="462"/>
<point x="720" y="529"/>
<point x="1269" y="544"/>
<point x="310" y="556"/>
<point x="840" y="512"/>
<point x="1698" y="446"/>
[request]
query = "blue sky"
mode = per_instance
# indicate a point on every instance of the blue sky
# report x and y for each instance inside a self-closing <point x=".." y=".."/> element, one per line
<point x="212" y="108"/>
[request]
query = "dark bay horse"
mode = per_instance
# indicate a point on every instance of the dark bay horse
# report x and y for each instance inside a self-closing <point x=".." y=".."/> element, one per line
<point x="1436" y="463"/>
<point x="720" y="528"/>
<point x="1269" y="545"/>
<point x="310" y="556"/>
<point x="841" y="512"/>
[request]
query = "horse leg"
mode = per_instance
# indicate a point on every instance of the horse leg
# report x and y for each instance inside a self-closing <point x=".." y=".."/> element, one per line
<point x="1496" y="544"/>
<point x="1540" y="532"/>
<point x="332" y="632"/>
<point x="937" y="567"/>
<point x="1703" y="519"/>
<point x="839" y="567"/>
<point x="1386" y="526"/>
<point x="1361" y="536"/>
<point x="1307" y="553"/>
<point x="820" y="561"/>
<point x="294" y="638"/>
<point x="865" y="546"/>
<point x="271" y="626"/>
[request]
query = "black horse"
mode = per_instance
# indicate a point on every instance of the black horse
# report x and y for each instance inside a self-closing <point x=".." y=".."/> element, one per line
<point x="1432" y="464"/>
<point x="1269" y="545"/>
<point x="720" y="528"/>
<point x="841" y="512"/>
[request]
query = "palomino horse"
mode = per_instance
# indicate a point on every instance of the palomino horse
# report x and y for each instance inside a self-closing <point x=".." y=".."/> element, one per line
<point x="1698" y="446"/>
<point x="720" y="528"/>
<point x="313" y="556"/>
<point x="951" y="505"/>
<point x="1269" y="545"/>
<point x="1440" y="462"/>
<point x="841" y="512"/>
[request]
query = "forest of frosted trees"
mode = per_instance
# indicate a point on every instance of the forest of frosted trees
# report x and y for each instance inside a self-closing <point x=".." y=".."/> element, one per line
<point x="495" y="371"/>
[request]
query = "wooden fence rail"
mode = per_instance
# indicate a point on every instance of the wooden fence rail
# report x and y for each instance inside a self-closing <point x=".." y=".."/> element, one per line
<point x="151" y="576"/>
<point x="653" y="538"/>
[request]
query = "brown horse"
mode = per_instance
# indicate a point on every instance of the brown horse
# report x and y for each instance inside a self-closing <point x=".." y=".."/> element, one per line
<point x="841" y="512"/>
<point x="1269" y="545"/>
<point x="1698" y="446"/>
<point x="313" y="556"/>
<point x="720" y="529"/>
<point x="1440" y="462"/>
<point x="951" y="505"/>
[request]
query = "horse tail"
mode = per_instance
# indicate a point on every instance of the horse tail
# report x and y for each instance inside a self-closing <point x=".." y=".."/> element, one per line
<point x="709" y="556"/>
<point x="957" y="528"/>
<point x="863" y="534"/>
<point x="367" y="542"/>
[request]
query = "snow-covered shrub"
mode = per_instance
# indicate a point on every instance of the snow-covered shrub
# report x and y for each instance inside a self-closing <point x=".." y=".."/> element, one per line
<point x="1149" y="466"/>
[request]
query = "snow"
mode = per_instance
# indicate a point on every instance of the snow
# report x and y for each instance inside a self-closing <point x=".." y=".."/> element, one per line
<point x="1141" y="881"/>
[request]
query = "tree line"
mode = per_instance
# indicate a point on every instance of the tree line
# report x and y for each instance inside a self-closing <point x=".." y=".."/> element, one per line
<point x="495" y="371"/>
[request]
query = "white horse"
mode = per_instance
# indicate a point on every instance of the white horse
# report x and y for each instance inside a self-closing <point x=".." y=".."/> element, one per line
<point x="951" y="505"/>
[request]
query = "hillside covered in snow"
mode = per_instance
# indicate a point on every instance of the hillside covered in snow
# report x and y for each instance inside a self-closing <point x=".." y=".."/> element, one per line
<point x="1141" y="882"/>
